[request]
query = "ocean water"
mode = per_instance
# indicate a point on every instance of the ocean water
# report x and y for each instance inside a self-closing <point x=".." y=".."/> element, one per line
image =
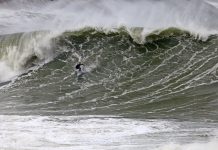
<point x="151" y="78"/>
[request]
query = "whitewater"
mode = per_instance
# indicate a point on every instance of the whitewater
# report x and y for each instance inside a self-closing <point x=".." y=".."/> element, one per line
<point x="151" y="80"/>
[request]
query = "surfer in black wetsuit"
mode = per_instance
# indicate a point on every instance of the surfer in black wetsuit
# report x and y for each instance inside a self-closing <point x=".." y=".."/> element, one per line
<point x="78" y="66"/>
<point x="80" y="69"/>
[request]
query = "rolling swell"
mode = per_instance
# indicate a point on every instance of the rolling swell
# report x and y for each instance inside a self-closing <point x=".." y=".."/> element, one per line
<point x="167" y="74"/>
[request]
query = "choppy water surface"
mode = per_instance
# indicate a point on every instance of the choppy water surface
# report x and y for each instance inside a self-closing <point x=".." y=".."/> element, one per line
<point x="149" y="84"/>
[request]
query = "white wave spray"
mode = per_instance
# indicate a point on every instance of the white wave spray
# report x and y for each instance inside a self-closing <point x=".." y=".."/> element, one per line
<point x="18" y="50"/>
<point x="23" y="15"/>
<point x="211" y="145"/>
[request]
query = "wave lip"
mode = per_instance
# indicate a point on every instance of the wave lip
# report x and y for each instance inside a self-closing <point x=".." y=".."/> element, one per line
<point x="21" y="51"/>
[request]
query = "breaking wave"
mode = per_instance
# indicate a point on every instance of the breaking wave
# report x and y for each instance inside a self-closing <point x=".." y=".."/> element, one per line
<point x="151" y="74"/>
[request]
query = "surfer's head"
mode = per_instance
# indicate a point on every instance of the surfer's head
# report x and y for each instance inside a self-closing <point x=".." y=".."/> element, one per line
<point x="79" y="66"/>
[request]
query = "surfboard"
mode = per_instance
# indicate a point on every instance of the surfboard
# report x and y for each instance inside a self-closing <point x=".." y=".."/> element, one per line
<point x="80" y="73"/>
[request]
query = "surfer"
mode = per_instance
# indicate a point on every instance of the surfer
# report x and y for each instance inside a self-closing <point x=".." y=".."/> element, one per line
<point x="79" y="66"/>
<point x="80" y="69"/>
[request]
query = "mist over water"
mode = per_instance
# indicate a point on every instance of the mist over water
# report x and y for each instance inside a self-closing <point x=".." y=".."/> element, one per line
<point x="150" y="83"/>
<point x="24" y="15"/>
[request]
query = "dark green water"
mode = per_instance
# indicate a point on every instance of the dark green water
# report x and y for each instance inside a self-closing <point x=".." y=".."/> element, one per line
<point x="171" y="75"/>
<point x="133" y="96"/>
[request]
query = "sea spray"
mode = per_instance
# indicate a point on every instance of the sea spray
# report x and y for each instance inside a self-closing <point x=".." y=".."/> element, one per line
<point x="196" y="16"/>
<point x="211" y="145"/>
<point x="22" y="50"/>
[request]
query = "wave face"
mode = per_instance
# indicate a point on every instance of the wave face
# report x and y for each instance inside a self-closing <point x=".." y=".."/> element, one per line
<point x="171" y="73"/>
<point x="151" y="80"/>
